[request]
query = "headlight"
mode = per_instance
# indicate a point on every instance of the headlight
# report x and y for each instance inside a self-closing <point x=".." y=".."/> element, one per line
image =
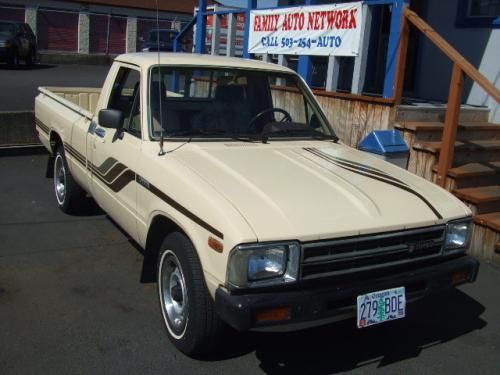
<point x="4" y="43"/>
<point x="458" y="235"/>
<point x="263" y="264"/>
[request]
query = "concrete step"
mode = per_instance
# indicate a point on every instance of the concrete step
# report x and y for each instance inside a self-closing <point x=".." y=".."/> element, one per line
<point x="465" y="152"/>
<point x="467" y="131"/>
<point x="481" y="200"/>
<point x="436" y="112"/>
<point x="473" y="175"/>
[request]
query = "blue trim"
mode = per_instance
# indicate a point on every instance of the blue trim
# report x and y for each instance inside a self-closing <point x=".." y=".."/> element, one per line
<point x="182" y="34"/>
<point x="305" y="65"/>
<point x="464" y="20"/>
<point x="201" y="27"/>
<point x="393" y="47"/>
<point x="251" y="4"/>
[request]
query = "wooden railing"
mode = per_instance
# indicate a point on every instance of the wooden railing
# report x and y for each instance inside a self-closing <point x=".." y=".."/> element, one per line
<point x="460" y="67"/>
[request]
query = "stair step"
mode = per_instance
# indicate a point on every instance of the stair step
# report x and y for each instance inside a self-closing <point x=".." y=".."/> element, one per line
<point x="485" y="199"/>
<point x="466" y="131"/>
<point x="439" y="126"/>
<point x="474" y="170"/>
<point x="473" y="174"/>
<point x="491" y="220"/>
<point x="465" y="152"/>
<point x="437" y="112"/>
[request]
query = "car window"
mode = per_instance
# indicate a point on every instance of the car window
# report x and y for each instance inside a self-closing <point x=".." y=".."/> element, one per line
<point x="125" y="96"/>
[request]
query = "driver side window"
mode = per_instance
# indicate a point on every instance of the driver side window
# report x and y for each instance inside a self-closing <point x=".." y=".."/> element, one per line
<point x="125" y="96"/>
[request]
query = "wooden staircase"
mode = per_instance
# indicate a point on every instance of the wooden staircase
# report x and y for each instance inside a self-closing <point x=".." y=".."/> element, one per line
<point x="475" y="173"/>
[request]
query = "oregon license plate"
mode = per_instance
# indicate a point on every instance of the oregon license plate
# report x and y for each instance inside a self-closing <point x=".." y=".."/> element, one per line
<point x="380" y="307"/>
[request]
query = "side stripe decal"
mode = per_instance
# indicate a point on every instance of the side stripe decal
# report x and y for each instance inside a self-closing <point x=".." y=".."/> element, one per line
<point x="42" y="126"/>
<point x="379" y="177"/>
<point x="116" y="176"/>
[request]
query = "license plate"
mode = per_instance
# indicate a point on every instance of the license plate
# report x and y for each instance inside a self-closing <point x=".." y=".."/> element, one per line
<point x="379" y="307"/>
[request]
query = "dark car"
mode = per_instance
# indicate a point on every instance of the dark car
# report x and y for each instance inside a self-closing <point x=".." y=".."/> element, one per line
<point x="166" y="44"/>
<point x="17" y="42"/>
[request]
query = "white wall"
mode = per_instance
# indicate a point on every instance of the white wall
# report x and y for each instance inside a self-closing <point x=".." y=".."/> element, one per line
<point x="481" y="46"/>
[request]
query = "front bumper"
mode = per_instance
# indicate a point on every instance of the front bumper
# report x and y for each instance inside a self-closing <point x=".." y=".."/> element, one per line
<point x="311" y="306"/>
<point x="5" y="53"/>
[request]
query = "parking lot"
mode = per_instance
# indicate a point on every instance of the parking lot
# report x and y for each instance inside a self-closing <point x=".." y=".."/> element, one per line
<point x="71" y="300"/>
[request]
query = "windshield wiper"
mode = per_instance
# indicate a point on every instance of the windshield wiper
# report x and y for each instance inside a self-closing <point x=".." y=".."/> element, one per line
<point x="308" y="132"/>
<point x="192" y="132"/>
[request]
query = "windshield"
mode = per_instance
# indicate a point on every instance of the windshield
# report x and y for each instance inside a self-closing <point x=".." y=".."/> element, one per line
<point x="7" y="29"/>
<point x="232" y="103"/>
<point x="165" y="36"/>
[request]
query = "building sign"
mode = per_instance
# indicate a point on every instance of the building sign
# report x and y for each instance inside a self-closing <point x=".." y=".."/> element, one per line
<point x="333" y="29"/>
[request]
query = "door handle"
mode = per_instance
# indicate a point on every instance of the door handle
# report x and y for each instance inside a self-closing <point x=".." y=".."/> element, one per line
<point x="100" y="132"/>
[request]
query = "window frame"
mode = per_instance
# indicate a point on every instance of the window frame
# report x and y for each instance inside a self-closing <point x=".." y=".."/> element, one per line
<point x="111" y="98"/>
<point x="465" y="20"/>
<point x="308" y="94"/>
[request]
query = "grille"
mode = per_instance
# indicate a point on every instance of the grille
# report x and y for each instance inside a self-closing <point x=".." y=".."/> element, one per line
<point x="369" y="252"/>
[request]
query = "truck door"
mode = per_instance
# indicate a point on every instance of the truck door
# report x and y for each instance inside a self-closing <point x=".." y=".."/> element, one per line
<point x="116" y="152"/>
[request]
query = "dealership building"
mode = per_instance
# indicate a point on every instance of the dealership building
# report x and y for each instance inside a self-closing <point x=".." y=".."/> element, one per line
<point x="95" y="26"/>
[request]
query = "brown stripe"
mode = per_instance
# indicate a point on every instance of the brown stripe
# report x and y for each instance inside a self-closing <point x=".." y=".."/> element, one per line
<point x="112" y="173"/>
<point x="396" y="184"/>
<point x="183" y="210"/>
<point x="42" y="126"/>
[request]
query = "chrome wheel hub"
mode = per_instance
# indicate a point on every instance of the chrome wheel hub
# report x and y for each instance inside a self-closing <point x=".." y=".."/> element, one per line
<point x="173" y="292"/>
<point x="59" y="179"/>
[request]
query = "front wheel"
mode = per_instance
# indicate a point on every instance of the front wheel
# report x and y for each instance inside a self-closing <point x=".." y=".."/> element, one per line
<point x="14" y="59"/>
<point x="69" y="194"/>
<point x="187" y="308"/>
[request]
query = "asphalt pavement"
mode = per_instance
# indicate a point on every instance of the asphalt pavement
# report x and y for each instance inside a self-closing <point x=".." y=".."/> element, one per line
<point x="71" y="303"/>
<point x="19" y="86"/>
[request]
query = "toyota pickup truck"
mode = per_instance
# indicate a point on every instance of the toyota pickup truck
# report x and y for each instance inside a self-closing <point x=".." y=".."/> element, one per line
<point x="250" y="211"/>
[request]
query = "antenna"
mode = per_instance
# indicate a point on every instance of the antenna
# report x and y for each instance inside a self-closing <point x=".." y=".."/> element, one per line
<point x="161" y="152"/>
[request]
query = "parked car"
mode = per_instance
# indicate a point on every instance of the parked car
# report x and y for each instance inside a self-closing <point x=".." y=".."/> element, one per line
<point x="251" y="212"/>
<point x="166" y="43"/>
<point x="17" y="42"/>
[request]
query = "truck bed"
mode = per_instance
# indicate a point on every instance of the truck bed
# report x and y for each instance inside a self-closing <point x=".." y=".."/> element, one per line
<point x="85" y="98"/>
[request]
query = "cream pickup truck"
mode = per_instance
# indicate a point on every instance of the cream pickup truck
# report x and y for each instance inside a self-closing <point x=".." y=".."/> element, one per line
<point x="251" y="212"/>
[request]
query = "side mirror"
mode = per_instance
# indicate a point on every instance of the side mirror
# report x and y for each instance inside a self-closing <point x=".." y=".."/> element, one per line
<point x="110" y="118"/>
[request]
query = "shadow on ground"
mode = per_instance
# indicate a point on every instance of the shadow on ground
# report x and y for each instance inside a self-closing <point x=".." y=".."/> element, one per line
<point x="342" y="347"/>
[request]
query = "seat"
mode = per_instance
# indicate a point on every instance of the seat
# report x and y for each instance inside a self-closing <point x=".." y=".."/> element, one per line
<point x="228" y="112"/>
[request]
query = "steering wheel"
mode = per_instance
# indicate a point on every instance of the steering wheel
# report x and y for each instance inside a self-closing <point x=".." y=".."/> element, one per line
<point x="286" y="118"/>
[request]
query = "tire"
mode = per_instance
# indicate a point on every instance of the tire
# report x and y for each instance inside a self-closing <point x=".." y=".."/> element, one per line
<point x="14" y="59"/>
<point x="29" y="60"/>
<point x="187" y="308"/>
<point x="69" y="195"/>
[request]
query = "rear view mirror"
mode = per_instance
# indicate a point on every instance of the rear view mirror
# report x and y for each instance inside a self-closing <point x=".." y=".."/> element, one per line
<point x="110" y="118"/>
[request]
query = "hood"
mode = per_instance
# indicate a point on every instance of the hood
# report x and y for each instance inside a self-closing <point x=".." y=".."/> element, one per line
<point x="316" y="190"/>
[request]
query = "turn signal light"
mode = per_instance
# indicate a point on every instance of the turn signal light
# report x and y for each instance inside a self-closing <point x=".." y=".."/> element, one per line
<point x="215" y="244"/>
<point x="274" y="315"/>
<point x="459" y="277"/>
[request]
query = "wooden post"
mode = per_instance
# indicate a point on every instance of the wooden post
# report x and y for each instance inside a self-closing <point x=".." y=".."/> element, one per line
<point x="401" y="67"/>
<point x="450" y="124"/>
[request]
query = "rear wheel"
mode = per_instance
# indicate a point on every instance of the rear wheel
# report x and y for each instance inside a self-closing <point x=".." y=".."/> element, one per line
<point x="187" y="308"/>
<point x="69" y="194"/>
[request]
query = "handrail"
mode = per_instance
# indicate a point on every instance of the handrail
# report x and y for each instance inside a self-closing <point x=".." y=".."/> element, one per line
<point x="461" y="67"/>
<point x="452" y="53"/>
